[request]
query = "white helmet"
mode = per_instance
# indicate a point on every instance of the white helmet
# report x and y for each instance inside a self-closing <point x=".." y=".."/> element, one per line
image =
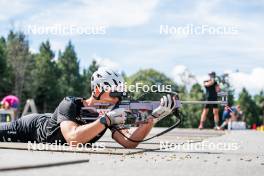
<point x="105" y="78"/>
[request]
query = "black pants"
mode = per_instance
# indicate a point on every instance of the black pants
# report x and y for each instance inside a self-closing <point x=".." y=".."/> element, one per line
<point x="211" y="105"/>
<point x="21" y="130"/>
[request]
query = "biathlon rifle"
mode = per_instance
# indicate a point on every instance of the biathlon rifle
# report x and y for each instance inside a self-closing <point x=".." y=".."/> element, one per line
<point x="138" y="111"/>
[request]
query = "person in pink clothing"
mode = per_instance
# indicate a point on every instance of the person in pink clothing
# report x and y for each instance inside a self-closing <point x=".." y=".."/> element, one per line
<point x="10" y="101"/>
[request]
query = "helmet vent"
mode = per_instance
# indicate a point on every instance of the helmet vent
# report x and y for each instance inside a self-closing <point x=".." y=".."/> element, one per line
<point x="108" y="73"/>
<point x="107" y="84"/>
<point x="115" y="82"/>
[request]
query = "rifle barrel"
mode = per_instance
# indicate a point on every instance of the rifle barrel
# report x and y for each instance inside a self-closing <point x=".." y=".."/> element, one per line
<point x="204" y="102"/>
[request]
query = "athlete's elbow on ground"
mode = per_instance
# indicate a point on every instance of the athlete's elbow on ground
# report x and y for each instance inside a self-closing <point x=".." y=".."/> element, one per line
<point x="130" y="145"/>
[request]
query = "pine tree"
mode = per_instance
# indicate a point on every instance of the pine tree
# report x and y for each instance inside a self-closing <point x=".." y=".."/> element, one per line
<point x="259" y="99"/>
<point x="19" y="61"/>
<point x="249" y="107"/>
<point x="4" y="86"/>
<point x="45" y="84"/>
<point x="86" y="78"/>
<point x="70" y="79"/>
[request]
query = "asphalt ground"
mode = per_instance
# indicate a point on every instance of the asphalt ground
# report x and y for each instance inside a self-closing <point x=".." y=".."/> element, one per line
<point x="179" y="152"/>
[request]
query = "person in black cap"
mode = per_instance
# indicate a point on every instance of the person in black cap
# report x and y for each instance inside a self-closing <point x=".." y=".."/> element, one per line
<point x="212" y="88"/>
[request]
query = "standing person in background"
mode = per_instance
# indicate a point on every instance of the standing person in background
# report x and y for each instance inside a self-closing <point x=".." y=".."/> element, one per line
<point x="212" y="88"/>
<point x="11" y="102"/>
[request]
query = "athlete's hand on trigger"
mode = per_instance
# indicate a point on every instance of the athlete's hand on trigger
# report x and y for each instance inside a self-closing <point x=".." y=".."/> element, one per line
<point x="116" y="116"/>
<point x="167" y="104"/>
